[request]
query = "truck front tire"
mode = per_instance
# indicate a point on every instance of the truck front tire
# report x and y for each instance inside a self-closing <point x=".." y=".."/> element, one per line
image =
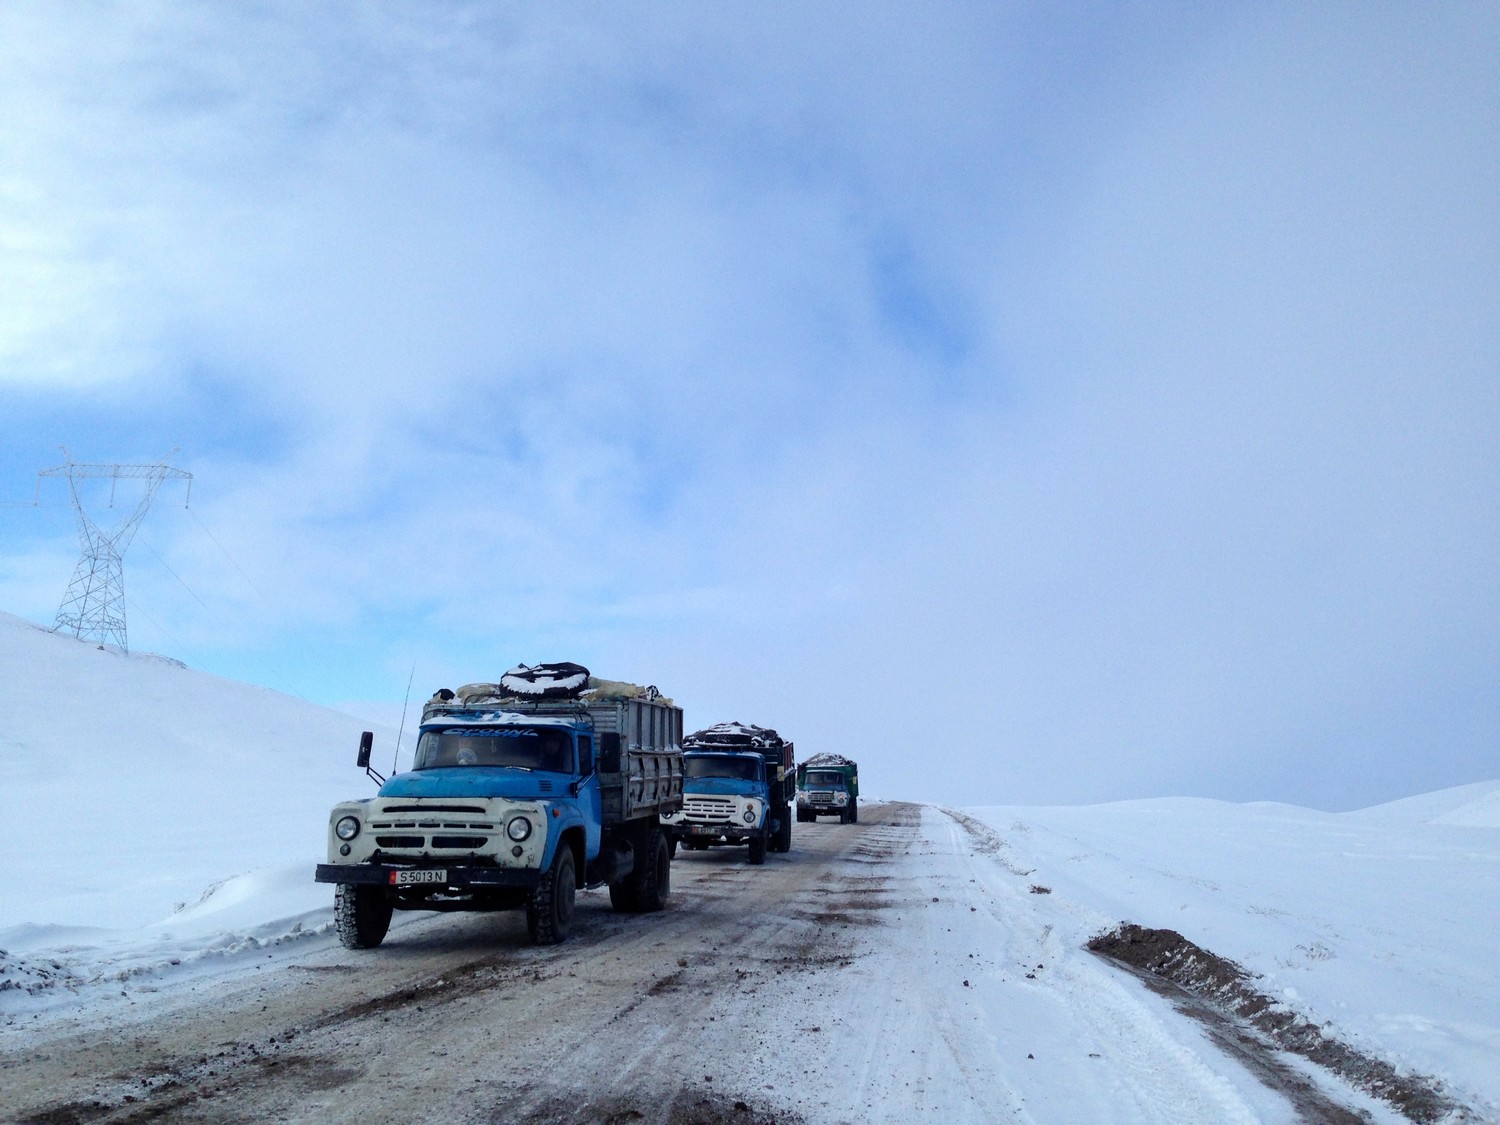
<point x="362" y="915"/>
<point x="549" y="912"/>
<point x="853" y="810"/>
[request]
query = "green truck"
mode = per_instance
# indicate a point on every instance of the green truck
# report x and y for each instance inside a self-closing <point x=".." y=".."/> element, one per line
<point x="828" y="785"/>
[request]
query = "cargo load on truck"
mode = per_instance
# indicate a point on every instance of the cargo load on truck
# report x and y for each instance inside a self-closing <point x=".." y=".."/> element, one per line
<point x="521" y="792"/>
<point x="738" y="785"/>
<point x="828" y="785"/>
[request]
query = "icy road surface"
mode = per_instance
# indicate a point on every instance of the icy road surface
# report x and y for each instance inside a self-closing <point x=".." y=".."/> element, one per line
<point x="897" y="970"/>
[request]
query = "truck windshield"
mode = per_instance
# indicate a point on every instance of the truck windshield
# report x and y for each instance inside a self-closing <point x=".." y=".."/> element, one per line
<point x="831" y="778"/>
<point x="716" y="765"/>
<point x="528" y="748"/>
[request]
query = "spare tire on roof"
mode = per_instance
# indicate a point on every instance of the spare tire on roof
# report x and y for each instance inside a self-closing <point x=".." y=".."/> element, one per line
<point x="545" y="681"/>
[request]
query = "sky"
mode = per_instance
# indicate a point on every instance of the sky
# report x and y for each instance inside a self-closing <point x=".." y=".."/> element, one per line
<point x="1041" y="403"/>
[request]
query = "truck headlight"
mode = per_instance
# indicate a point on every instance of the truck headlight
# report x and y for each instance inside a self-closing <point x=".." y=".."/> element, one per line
<point x="347" y="827"/>
<point x="749" y="816"/>
<point x="518" y="829"/>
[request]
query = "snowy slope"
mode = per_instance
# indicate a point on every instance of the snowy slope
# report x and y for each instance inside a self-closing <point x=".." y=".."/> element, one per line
<point x="130" y="785"/>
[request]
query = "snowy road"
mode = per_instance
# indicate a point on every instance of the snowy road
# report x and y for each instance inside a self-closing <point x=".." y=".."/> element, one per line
<point x="898" y="970"/>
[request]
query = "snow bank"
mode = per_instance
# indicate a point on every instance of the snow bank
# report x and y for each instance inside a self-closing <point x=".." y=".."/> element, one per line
<point x="182" y="814"/>
<point x="1381" y="921"/>
<point x="150" y="782"/>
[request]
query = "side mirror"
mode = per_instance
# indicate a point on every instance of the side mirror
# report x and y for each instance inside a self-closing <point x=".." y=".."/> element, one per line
<point x="366" y="740"/>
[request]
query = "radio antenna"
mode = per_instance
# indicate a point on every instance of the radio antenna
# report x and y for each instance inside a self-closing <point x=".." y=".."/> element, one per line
<point x="402" y="729"/>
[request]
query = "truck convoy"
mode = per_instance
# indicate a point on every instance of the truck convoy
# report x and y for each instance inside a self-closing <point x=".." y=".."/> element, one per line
<point x="738" y="784"/>
<point x="828" y="785"/>
<point x="521" y="792"/>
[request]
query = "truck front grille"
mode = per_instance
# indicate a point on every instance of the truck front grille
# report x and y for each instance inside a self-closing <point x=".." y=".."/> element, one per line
<point x="821" y="796"/>
<point x="465" y="843"/>
<point x="711" y="810"/>
<point x="434" y="828"/>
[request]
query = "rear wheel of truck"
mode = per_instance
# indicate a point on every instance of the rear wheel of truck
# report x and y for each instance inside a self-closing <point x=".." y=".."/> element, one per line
<point x="783" y="841"/>
<point x="758" y="848"/>
<point x="646" y="888"/>
<point x="656" y="876"/>
<point x="361" y="914"/>
<point x="549" y="912"/>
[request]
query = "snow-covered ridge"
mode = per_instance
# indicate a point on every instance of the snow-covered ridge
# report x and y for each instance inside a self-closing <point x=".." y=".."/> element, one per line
<point x="155" y="786"/>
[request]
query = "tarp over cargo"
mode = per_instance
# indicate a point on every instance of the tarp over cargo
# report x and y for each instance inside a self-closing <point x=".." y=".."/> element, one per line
<point x="733" y="736"/>
<point x="827" y="761"/>
<point x="549" y="681"/>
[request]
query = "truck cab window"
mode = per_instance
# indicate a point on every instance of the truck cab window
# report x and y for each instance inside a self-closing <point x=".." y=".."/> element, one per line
<point x="525" y="748"/>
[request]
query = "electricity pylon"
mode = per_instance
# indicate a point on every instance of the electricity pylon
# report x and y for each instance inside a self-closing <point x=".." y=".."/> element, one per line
<point x="94" y="605"/>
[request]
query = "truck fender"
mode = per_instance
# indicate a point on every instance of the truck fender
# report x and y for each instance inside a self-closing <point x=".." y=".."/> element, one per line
<point x="564" y="823"/>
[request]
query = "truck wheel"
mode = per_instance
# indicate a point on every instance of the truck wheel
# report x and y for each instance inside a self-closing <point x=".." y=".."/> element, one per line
<point x="549" y="911"/>
<point x="653" y="878"/>
<point x="853" y="810"/>
<point x="758" y="848"/>
<point x="844" y="815"/>
<point x="361" y="914"/>
<point x="672" y="847"/>
<point x="784" y="833"/>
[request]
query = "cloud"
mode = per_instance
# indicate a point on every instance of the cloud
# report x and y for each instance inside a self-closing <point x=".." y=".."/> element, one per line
<point x="1098" y="404"/>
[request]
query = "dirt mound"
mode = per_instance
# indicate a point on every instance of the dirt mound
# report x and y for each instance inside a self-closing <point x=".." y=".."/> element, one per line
<point x="1226" y="987"/>
<point x="22" y="975"/>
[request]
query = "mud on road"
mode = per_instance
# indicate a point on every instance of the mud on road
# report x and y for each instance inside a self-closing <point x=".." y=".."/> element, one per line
<point x="638" y="1018"/>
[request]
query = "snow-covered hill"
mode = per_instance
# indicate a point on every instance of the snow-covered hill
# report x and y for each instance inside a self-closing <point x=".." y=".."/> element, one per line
<point x="130" y="785"/>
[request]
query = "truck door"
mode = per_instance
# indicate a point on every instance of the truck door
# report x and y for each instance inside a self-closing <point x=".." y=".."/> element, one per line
<point x="589" y="799"/>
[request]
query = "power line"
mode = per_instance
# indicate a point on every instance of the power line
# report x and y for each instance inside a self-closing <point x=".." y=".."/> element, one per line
<point x="220" y="621"/>
<point x="224" y="551"/>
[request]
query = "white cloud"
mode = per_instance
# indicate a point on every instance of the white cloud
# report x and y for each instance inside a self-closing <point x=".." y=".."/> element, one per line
<point x="1140" y="374"/>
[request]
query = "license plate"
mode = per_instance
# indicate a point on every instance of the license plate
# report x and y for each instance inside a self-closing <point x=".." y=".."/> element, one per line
<point x="422" y="875"/>
<point x="704" y="830"/>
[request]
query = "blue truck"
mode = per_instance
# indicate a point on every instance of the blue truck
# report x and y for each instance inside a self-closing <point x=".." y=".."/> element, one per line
<point x="521" y="793"/>
<point x="738" y="785"/>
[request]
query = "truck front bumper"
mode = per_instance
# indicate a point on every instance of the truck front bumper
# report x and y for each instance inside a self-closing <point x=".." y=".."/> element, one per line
<point x="407" y="877"/>
<point x="731" y="832"/>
